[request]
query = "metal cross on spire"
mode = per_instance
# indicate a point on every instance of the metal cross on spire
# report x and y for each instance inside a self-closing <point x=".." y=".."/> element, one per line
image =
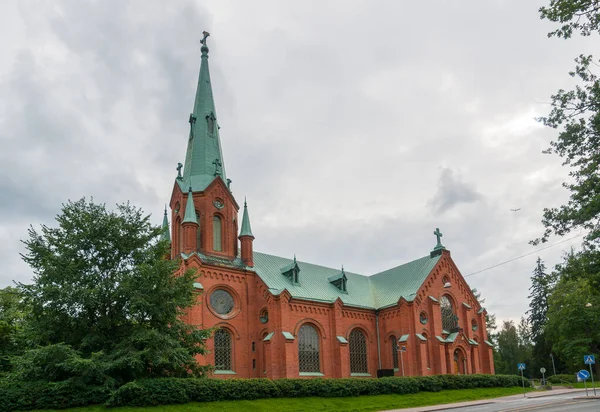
<point x="205" y="34"/>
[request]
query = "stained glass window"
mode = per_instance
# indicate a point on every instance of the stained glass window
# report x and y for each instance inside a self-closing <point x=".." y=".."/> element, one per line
<point x="394" y="348"/>
<point x="358" y="352"/>
<point x="217" y="234"/>
<point x="223" y="350"/>
<point x="308" y="349"/>
<point x="449" y="318"/>
<point x="221" y="301"/>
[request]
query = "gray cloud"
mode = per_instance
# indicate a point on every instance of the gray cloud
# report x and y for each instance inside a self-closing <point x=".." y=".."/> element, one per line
<point x="336" y="119"/>
<point x="452" y="191"/>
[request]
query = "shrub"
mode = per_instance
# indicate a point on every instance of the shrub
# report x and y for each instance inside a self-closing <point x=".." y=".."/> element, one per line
<point x="563" y="378"/>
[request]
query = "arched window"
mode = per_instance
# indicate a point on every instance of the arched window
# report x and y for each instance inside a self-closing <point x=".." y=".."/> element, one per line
<point x="198" y="232"/>
<point x="394" y="348"/>
<point x="178" y="237"/>
<point x="358" y="352"/>
<point x="308" y="349"/>
<point x="217" y="243"/>
<point x="223" y="350"/>
<point x="449" y="318"/>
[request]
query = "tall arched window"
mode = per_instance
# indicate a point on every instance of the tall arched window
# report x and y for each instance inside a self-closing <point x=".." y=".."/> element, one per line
<point x="178" y="237"/>
<point x="198" y="239"/>
<point x="223" y="350"/>
<point x="449" y="318"/>
<point x="358" y="352"/>
<point x="394" y="349"/>
<point x="308" y="349"/>
<point x="217" y="232"/>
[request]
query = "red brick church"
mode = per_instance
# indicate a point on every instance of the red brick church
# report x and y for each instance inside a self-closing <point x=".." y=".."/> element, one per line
<point x="279" y="317"/>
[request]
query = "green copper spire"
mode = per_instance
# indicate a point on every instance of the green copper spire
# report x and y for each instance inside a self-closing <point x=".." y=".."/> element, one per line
<point x="165" y="235"/>
<point x="203" y="159"/>
<point x="246" y="229"/>
<point x="190" y="211"/>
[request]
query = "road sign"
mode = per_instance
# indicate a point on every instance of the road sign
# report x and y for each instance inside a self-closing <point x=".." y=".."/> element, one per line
<point x="583" y="374"/>
<point x="589" y="360"/>
<point x="543" y="370"/>
<point x="521" y="366"/>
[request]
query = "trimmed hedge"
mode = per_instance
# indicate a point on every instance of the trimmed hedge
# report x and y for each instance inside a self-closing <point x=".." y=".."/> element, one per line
<point x="563" y="378"/>
<point x="161" y="391"/>
<point x="149" y="392"/>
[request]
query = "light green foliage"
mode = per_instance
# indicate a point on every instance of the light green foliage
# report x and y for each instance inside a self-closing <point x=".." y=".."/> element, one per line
<point x="573" y="327"/>
<point x="105" y="299"/>
<point x="576" y="113"/>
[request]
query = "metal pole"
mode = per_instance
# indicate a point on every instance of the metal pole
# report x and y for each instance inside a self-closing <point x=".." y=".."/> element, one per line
<point x="553" y="367"/>
<point x="592" y="375"/>
<point x="402" y="361"/>
<point x="523" y="380"/>
<point x="543" y="379"/>
<point x="585" y="384"/>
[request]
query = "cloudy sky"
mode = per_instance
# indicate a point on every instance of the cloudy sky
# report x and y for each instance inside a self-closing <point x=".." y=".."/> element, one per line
<point x="355" y="128"/>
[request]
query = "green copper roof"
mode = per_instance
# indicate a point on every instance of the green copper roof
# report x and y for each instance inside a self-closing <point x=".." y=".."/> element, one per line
<point x="405" y="280"/>
<point x="164" y="234"/>
<point x="246" y="229"/>
<point x="377" y="291"/>
<point x="204" y="158"/>
<point x="190" y="211"/>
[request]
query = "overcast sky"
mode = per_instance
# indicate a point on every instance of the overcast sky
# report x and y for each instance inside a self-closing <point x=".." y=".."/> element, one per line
<point x="355" y="128"/>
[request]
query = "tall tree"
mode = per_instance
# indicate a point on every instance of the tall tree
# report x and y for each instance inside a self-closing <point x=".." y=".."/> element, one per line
<point x="576" y="113"/>
<point x="539" y="291"/>
<point x="104" y="291"/>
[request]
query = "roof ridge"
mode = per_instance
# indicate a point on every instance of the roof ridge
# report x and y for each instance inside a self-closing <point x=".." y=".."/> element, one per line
<point x="312" y="264"/>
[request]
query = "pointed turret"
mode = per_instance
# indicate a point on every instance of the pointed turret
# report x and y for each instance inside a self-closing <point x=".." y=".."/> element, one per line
<point x="190" y="225"/>
<point x="204" y="158"/>
<point x="246" y="238"/>
<point x="246" y="229"/>
<point x="165" y="235"/>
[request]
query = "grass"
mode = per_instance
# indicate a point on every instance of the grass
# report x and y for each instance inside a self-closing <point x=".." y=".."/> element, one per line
<point x="351" y="404"/>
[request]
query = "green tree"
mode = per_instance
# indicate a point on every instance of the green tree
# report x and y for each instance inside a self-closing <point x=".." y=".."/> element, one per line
<point x="576" y="113"/>
<point x="12" y="313"/>
<point x="104" y="298"/>
<point x="573" y="321"/>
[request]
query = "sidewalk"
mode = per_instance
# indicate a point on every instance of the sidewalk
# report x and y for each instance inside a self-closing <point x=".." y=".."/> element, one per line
<point x="503" y="399"/>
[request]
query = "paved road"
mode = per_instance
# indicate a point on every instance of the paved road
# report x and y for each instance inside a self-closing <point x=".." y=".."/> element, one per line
<point x="557" y="403"/>
<point x="570" y="400"/>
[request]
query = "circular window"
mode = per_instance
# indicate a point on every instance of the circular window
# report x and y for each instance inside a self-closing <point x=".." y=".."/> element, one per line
<point x="423" y="318"/>
<point x="221" y="302"/>
<point x="264" y="316"/>
<point x="474" y="325"/>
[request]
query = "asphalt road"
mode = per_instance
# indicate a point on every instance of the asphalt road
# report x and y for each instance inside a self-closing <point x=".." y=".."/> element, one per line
<point x="558" y="403"/>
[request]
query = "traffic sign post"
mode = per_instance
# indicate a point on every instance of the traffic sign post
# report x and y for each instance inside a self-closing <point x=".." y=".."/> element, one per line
<point x="584" y="375"/>
<point x="521" y="367"/>
<point x="543" y="370"/>
<point x="591" y="360"/>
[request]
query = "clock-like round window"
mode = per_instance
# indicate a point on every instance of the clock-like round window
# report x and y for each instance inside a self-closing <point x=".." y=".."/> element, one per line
<point x="221" y="302"/>
<point x="423" y="318"/>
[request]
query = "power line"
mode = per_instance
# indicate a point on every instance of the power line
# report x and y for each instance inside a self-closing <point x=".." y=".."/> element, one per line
<point x="522" y="256"/>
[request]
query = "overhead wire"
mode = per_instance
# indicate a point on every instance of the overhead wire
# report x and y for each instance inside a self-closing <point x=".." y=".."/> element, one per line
<point x="525" y="255"/>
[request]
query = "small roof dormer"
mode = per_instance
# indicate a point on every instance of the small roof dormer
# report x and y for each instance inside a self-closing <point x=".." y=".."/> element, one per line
<point x="292" y="271"/>
<point x="340" y="281"/>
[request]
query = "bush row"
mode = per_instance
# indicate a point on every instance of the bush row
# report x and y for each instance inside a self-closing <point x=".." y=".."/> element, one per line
<point x="171" y="390"/>
<point x="146" y="392"/>
<point x="563" y="378"/>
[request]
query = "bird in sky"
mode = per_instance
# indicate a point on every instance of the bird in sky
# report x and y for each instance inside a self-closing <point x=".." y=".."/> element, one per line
<point x="515" y="210"/>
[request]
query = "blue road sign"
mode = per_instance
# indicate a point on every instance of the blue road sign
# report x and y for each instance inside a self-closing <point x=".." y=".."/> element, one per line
<point x="583" y="374"/>
<point x="521" y="366"/>
<point x="589" y="360"/>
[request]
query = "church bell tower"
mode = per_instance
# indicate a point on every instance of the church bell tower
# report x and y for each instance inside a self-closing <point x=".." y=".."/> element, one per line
<point x="204" y="212"/>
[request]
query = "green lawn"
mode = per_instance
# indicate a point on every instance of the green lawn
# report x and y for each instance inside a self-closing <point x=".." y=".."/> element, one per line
<point x="362" y="403"/>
